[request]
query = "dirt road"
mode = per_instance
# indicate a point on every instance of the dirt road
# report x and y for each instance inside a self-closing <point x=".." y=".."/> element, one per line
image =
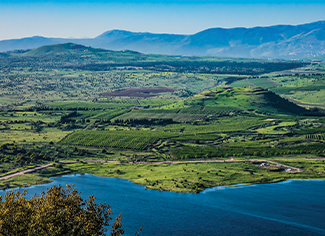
<point x="251" y="84"/>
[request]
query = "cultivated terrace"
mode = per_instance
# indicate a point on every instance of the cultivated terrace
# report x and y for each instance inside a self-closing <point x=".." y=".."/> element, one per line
<point x="170" y="123"/>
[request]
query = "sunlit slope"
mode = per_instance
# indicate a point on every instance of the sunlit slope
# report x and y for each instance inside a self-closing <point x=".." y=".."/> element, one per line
<point x="302" y="88"/>
<point x="220" y="102"/>
<point x="61" y="48"/>
<point x="244" y="99"/>
<point x="72" y="49"/>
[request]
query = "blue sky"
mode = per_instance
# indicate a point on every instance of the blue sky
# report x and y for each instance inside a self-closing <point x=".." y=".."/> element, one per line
<point x="84" y="18"/>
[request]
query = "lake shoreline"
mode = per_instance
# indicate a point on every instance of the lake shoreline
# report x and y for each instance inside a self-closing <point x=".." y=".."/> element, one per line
<point x="218" y="187"/>
<point x="294" y="207"/>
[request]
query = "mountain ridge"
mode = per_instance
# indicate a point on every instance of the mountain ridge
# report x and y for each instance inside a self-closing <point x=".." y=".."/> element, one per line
<point x="278" y="41"/>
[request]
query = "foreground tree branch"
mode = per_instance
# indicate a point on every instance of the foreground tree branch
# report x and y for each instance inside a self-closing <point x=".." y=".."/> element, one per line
<point x="59" y="211"/>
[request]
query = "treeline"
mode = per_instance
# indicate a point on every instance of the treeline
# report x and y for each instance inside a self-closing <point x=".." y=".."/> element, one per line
<point x="66" y="118"/>
<point x="315" y="136"/>
<point x="189" y="152"/>
<point x="284" y="104"/>
<point x="126" y="60"/>
<point x="144" y="121"/>
<point x="209" y="67"/>
<point x="21" y="156"/>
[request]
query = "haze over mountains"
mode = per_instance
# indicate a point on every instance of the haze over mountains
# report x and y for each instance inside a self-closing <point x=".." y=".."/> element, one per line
<point x="280" y="41"/>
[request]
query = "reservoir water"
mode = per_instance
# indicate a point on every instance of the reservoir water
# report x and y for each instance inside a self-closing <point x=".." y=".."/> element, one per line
<point x="288" y="208"/>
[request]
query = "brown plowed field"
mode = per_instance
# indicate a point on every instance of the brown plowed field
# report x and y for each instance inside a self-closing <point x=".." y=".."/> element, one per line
<point x="138" y="92"/>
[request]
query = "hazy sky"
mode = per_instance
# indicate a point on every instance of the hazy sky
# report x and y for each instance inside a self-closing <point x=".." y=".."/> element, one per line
<point x="84" y="18"/>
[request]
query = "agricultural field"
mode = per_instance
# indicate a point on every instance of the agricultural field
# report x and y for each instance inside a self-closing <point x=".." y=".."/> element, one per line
<point x="157" y="119"/>
<point x="256" y="82"/>
<point x="138" y="140"/>
<point x="315" y="136"/>
<point x="304" y="89"/>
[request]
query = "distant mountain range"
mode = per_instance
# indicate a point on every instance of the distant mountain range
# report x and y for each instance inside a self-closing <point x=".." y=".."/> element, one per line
<point x="280" y="41"/>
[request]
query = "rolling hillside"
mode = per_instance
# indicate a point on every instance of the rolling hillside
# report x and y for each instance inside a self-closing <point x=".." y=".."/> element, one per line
<point x="80" y="57"/>
<point x="220" y="102"/>
<point x="252" y="99"/>
<point x="61" y="48"/>
<point x="241" y="99"/>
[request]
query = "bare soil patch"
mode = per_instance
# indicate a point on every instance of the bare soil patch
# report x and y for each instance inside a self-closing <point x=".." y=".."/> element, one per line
<point x="138" y="92"/>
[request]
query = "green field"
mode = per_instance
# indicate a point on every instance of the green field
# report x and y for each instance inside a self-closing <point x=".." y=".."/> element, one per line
<point x="256" y="82"/>
<point x="62" y="104"/>
<point x="186" y="177"/>
<point x="138" y="140"/>
<point x="307" y="88"/>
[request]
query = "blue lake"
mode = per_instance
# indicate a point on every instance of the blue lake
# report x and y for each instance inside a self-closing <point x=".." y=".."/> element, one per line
<point x="288" y="208"/>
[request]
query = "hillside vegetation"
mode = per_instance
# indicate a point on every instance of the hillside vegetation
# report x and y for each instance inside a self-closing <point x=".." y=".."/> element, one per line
<point x="240" y="99"/>
<point x="305" y="89"/>
<point x="158" y="119"/>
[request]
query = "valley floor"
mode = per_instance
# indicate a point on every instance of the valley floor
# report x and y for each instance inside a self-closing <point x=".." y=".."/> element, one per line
<point x="175" y="124"/>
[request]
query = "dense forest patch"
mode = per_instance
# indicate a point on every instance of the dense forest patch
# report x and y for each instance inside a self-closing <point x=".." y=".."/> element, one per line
<point x="138" y="92"/>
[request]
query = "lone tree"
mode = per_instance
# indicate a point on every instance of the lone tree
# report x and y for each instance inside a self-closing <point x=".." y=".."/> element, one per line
<point x="59" y="211"/>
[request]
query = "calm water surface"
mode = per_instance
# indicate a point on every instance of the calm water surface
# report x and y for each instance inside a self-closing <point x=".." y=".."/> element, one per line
<point x="288" y="208"/>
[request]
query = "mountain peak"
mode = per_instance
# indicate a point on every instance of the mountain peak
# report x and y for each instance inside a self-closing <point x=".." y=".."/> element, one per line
<point x="278" y="41"/>
<point x="115" y="33"/>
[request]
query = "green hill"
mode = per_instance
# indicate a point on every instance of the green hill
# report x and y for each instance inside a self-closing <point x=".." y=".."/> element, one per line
<point x="66" y="48"/>
<point x="220" y="102"/>
<point x="240" y="99"/>
<point x="76" y="56"/>
<point x="75" y="50"/>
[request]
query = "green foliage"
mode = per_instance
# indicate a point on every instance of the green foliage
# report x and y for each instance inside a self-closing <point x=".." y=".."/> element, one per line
<point x="138" y="140"/>
<point x="302" y="88"/>
<point x="195" y="177"/>
<point x="315" y="136"/>
<point x="311" y="130"/>
<point x="208" y="110"/>
<point x="224" y="124"/>
<point x="87" y="105"/>
<point x="161" y="114"/>
<point x="59" y="211"/>
<point x="254" y="82"/>
<point x="73" y="93"/>
<point x="198" y="137"/>
<point x="210" y="152"/>
<point x="232" y="101"/>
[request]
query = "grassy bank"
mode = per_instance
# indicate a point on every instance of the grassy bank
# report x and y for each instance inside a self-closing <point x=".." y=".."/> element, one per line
<point x="184" y="177"/>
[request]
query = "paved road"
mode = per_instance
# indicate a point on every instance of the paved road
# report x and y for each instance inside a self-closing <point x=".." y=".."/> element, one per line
<point x="25" y="171"/>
